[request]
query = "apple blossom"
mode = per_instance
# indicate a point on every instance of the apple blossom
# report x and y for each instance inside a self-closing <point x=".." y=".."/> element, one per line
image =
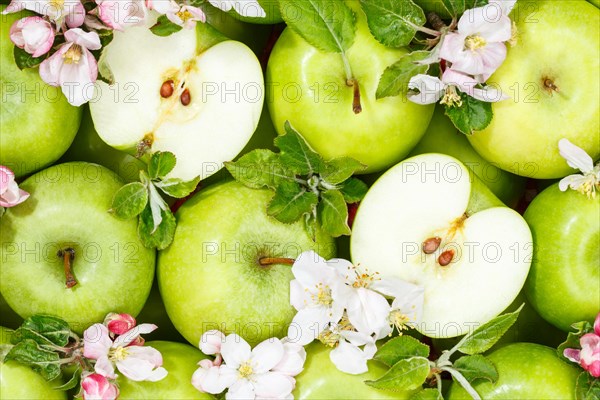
<point x="407" y="307"/>
<point x="73" y="67"/>
<point x="119" y="324"/>
<point x="211" y="342"/>
<point x="589" y="355"/>
<point x="477" y="48"/>
<point x="294" y="357"/>
<point x="135" y="362"/>
<point x="246" y="8"/>
<point x="97" y="387"/>
<point x="588" y="182"/>
<point x="34" y="34"/>
<point x="186" y="16"/>
<point x="120" y="14"/>
<point x="70" y="11"/>
<point x="10" y="194"/>
<point x="162" y="6"/>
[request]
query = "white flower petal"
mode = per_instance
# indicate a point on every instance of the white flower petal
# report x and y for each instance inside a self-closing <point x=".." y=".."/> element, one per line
<point x="105" y="367"/>
<point x="430" y="89"/>
<point x="576" y="157"/>
<point x="211" y="342"/>
<point x="349" y="358"/>
<point x="241" y="390"/>
<point x="308" y="324"/>
<point x="273" y="385"/>
<point x="235" y="351"/>
<point x="369" y="313"/>
<point x="293" y="359"/>
<point x="573" y="181"/>
<point x="96" y="341"/>
<point x="267" y="355"/>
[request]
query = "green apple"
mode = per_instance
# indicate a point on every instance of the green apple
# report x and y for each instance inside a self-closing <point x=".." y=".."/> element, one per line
<point x="211" y="277"/>
<point x="88" y="146"/>
<point x="37" y="124"/>
<point x="563" y="282"/>
<point x="322" y="380"/>
<point x="526" y="371"/>
<point x="8" y="317"/>
<point x="154" y="312"/>
<point x="552" y="76"/>
<point x="180" y="360"/>
<point x="196" y="94"/>
<point x="595" y="3"/>
<point x="271" y="8"/>
<point x="18" y="381"/>
<point x="308" y="88"/>
<point x="67" y="213"/>
<point x="442" y="137"/>
<point x="431" y="222"/>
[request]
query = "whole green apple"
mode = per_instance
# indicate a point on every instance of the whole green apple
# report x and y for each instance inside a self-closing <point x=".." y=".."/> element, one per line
<point x="37" y="124"/>
<point x="154" y="312"/>
<point x="64" y="254"/>
<point x="271" y="8"/>
<point x="180" y="360"/>
<point x="322" y="380"/>
<point x="308" y="88"/>
<point x="18" y="381"/>
<point x="526" y="371"/>
<point x="442" y="137"/>
<point x="563" y="284"/>
<point x="211" y="276"/>
<point x="88" y="146"/>
<point x="544" y="73"/>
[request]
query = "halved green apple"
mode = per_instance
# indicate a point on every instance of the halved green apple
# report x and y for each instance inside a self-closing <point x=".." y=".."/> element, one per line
<point x="429" y="221"/>
<point x="194" y="93"/>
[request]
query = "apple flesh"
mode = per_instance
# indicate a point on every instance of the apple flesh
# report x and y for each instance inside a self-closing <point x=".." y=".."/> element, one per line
<point x="19" y="382"/>
<point x="196" y="94"/>
<point x="322" y="380"/>
<point x="180" y="360"/>
<point x="210" y="276"/>
<point x="483" y="251"/>
<point x="308" y="88"/>
<point x="68" y="209"/>
<point x="442" y="137"/>
<point x="552" y="52"/>
<point x="37" y="124"/>
<point x="563" y="285"/>
<point x="526" y="371"/>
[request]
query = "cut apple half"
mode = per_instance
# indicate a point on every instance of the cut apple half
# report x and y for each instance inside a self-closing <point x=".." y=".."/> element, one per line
<point x="430" y="222"/>
<point x="193" y="93"/>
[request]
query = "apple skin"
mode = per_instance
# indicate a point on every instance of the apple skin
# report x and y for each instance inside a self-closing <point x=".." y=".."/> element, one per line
<point x="18" y="381"/>
<point x="322" y="380"/>
<point x="308" y="88"/>
<point x="271" y="8"/>
<point x="563" y="281"/>
<point x="442" y="137"/>
<point x="523" y="136"/>
<point x="68" y="208"/>
<point x="526" y="371"/>
<point x="209" y="278"/>
<point x="37" y="124"/>
<point x="8" y="318"/>
<point x="88" y="146"/>
<point x="154" y="312"/>
<point x="180" y="360"/>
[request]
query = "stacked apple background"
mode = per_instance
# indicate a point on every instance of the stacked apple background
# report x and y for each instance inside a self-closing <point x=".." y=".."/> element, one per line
<point x="494" y="194"/>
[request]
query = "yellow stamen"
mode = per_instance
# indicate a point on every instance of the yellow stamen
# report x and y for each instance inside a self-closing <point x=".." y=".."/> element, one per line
<point x="451" y="98"/>
<point x="474" y="42"/>
<point x="323" y="296"/>
<point x="399" y="320"/>
<point x="118" y="354"/>
<point x="185" y="15"/>
<point x="245" y="370"/>
<point x="73" y="55"/>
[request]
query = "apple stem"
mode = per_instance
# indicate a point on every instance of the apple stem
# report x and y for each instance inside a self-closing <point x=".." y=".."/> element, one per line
<point x="356" y="106"/>
<point x="68" y="255"/>
<point x="266" y="261"/>
<point x="549" y="85"/>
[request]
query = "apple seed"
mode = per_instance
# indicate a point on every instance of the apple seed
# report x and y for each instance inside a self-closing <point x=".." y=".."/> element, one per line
<point x="431" y="245"/>
<point x="446" y="257"/>
<point x="167" y="88"/>
<point x="186" y="97"/>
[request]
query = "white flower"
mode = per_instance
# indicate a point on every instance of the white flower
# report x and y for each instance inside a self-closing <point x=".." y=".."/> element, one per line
<point x="245" y="8"/>
<point x="347" y="355"/>
<point x="211" y="342"/>
<point x="120" y="14"/>
<point x="33" y="34"/>
<point x="294" y="357"/>
<point x="318" y="293"/>
<point x="70" y="11"/>
<point x="478" y="48"/>
<point x="10" y="194"/>
<point x="407" y="306"/>
<point x="187" y="16"/>
<point x="589" y="181"/>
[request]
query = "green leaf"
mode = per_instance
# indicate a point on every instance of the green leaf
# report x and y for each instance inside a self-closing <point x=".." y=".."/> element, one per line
<point x="572" y="341"/>
<point x="484" y="337"/>
<point x="395" y="78"/>
<point x="587" y="388"/>
<point x="161" y="164"/>
<point x="129" y="200"/>
<point x="25" y="60"/>
<point x="296" y="154"/>
<point x="394" y="23"/>
<point x="106" y="36"/>
<point x="291" y="202"/>
<point x="177" y="188"/>
<point x="455" y="7"/>
<point x="339" y="169"/>
<point x="29" y="353"/>
<point x="354" y="190"/>
<point x="260" y="168"/>
<point x="328" y="25"/>
<point x="105" y="73"/>
<point x="473" y="115"/>
<point x="43" y="329"/>
<point x="333" y="213"/>
<point x="427" y="394"/>
<point x="476" y="367"/>
<point x="407" y="374"/>
<point x="162" y="237"/>
<point x="71" y="383"/>
<point x="164" y="27"/>
<point x="400" y="348"/>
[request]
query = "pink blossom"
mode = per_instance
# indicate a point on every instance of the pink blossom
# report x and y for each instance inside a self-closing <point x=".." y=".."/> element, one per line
<point x="119" y="323"/>
<point x="33" y="34"/>
<point x="162" y="6"/>
<point x="10" y="194"/>
<point x="589" y="355"/>
<point x="120" y="14"/>
<point x="70" y="12"/>
<point x="97" y="387"/>
<point x="73" y="67"/>
<point x="187" y="16"/>
<point x="211" y="341"/>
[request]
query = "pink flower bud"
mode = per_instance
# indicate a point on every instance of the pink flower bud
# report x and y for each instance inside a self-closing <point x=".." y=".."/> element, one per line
<point x="589" y="357"/>
<point x="96" y="386"/>
<point x="33" y="34"/>
<point x="211" y="341"/>
<point x="119" y="323"/>
<point x="10" y="194"/>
